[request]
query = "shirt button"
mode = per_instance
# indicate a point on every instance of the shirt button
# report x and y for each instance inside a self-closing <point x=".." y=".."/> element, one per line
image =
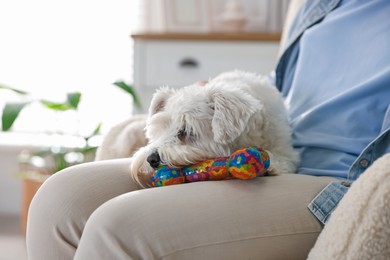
<point x="363" y="163"/>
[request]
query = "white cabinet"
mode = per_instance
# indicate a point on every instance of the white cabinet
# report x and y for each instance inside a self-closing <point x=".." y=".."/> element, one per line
<point x="179" y="60"/>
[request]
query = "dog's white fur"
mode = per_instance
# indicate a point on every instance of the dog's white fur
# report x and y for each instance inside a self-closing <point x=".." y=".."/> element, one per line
<point x="232" y="111"/>
<point x="124" y="139"/>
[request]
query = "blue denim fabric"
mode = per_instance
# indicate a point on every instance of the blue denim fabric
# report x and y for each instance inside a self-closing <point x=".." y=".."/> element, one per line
<point x="312" y="13"/>
<point x="327" y="200"/>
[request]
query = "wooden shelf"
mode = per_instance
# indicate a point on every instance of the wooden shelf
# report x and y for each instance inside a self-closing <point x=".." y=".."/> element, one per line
<point x="209" y="36"/>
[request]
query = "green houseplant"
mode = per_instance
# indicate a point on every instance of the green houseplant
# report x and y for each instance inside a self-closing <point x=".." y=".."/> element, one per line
<point x="55" y="158"/>
<point x="60" y="157"/>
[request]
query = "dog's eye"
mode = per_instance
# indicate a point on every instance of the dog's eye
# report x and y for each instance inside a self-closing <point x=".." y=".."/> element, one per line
<point x="181" y="135"/>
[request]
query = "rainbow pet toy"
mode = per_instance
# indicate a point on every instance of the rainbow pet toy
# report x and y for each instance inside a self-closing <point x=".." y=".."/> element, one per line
<point x="243" y="164"/>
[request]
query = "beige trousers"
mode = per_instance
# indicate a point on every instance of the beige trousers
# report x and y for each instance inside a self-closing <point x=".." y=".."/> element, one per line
<point x="95" y="211"/>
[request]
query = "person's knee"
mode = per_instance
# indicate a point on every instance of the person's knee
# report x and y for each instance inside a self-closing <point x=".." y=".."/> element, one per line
<point x="75" y="192"/>
<point x="55" y="196"/>
<point x="50" y="219"/>
<point x="119" y="228"/>
<point x="48" y="202"/>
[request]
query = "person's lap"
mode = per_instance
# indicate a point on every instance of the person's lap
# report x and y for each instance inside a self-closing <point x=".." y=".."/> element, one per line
<point x="266" y="217"/>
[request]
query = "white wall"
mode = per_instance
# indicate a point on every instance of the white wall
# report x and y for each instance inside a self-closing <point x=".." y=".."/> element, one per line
<point x="10" y="186"/>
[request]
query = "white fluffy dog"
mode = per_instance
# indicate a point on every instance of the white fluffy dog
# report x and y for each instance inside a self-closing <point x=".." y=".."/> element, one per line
<point x="232" y="111"/>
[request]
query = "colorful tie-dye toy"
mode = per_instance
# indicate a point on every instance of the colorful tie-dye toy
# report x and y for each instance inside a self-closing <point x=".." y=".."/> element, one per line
<point x="243" y="164"/>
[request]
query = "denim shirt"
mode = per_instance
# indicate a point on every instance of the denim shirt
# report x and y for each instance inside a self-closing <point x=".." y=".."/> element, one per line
<point x="312" y="13"/>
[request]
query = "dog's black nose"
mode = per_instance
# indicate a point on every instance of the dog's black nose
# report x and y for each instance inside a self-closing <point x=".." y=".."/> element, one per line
<point x="154" y="160"/>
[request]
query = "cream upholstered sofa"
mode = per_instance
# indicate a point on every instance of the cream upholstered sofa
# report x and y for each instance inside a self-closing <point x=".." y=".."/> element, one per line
<point x="358" y="229"/>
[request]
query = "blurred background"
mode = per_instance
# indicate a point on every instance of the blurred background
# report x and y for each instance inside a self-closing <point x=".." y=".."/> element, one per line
<point x="50" y="49"/>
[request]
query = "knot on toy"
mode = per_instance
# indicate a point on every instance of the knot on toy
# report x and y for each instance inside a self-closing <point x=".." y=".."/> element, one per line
<point x="243" y="164"/>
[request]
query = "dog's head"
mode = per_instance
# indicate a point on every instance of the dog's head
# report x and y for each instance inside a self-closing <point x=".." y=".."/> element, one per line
<point x="192" y="124"/>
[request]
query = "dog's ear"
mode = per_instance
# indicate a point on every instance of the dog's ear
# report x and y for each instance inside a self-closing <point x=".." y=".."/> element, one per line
<point x="232" y="111"/>
<point x="159" y="100"/>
